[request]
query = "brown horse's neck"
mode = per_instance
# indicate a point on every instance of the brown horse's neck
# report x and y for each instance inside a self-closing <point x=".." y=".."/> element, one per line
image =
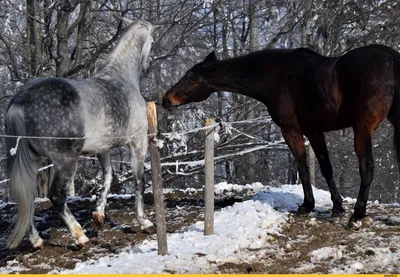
<point x="250" y="75"/>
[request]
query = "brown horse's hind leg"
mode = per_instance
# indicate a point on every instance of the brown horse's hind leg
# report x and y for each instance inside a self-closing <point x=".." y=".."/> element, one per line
<point x="295" y="141"/>
<point x="363" y="148"/>
<point x="318" y="144"/>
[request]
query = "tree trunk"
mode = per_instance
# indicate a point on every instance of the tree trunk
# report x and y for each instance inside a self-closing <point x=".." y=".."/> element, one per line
<point x="34" y="51"/>
<point x="62" y="61"/>
<point x="81" y="38"/>
<point x="311" y="155"/>
<point x="249" y="108"/>
<point x="292" y="170"/>
<point x="225" y="55"/>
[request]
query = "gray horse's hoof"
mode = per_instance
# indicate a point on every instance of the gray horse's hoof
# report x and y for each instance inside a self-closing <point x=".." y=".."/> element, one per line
<point x="149" y="229"/>
<point x="98" y="220"/>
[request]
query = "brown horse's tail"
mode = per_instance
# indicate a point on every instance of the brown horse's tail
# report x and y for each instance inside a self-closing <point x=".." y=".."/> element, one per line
<point x="395" y="110"/>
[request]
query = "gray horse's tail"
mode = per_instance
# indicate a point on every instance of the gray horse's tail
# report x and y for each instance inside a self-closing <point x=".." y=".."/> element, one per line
<point x="23" y="165"/>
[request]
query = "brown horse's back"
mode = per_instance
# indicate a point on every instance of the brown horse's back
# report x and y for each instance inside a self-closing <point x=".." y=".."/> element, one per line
<point x="317" y="93"/>
<point x="367" y="78"/>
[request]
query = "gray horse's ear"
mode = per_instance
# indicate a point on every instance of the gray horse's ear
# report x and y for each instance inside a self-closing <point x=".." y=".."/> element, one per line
<point x="211" y="57"/>
<point x="127" y="21"/>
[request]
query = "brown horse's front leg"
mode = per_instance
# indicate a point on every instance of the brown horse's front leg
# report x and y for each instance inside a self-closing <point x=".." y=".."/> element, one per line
<point x="295" y="141"/>
<point x="363" y="148"/>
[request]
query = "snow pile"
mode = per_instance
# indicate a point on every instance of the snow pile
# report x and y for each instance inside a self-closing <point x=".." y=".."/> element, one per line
<point x="239" y="231"/>
<point x="224" y="188"/>
<point x="289" y="197"/>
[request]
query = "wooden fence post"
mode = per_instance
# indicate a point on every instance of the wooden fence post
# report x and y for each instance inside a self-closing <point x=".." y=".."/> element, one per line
<point x="209" y="180"/>
<point x="157" y="180"/>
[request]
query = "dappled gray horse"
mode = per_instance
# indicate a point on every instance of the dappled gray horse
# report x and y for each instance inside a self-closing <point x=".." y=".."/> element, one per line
<point x="74" y="117"/>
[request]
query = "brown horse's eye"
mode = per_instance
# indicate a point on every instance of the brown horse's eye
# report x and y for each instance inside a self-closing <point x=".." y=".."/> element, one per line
<point x="191" y="78"/>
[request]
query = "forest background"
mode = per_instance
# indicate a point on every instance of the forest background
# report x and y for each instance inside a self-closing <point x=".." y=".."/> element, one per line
<point x="45" y="38"/>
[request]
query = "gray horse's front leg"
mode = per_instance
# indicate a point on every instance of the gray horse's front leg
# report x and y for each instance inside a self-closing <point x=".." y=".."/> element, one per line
<point x="138" y="149"/>
<point x="98" y="216"/>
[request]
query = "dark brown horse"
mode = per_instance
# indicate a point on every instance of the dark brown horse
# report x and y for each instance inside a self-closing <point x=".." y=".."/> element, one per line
<point x="309" y="94"/>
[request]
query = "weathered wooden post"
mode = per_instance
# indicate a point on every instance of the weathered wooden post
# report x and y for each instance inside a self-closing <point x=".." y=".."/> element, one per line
<point x="157" y="180"/>
<point x="209" y="180"/>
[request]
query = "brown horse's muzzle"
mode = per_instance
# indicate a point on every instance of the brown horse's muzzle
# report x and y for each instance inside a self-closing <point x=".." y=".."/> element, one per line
<point x="166" y="103"/>
<point x="172" y="101"/>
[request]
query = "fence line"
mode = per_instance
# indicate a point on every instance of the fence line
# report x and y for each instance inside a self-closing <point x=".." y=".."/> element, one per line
<point x="40" y="169"/>
<point x="190" y="163"/>
<point x="254" y="120"/>
<point x="166" y="134"/>
<point x="198" y="162"/>
<point x="36" y="137"/>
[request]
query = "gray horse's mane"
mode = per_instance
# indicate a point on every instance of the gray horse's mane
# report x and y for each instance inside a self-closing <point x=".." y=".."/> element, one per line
<point x="138" y="32"/>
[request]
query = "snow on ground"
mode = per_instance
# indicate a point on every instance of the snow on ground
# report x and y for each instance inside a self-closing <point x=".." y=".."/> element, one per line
<point x="240" y="230"/>
<point x="244" y="233"/>
<point x="2" y="204"/>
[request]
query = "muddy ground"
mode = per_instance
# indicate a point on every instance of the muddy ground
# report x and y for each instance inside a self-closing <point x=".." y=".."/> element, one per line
<point x="183" y="209"/>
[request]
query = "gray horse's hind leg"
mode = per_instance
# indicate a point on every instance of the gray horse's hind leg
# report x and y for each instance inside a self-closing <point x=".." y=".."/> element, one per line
<point x="34" y="238"/>
<point x="63" y="177"/>
<point x="138" y="149"/>
<point x="99" y="215"/>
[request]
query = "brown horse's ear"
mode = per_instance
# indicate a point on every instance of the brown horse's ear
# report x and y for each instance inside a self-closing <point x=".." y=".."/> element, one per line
<point x="211" y="57"/>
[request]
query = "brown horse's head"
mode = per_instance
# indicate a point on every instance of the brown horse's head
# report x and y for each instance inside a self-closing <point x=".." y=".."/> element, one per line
<point x="195" y="86"/>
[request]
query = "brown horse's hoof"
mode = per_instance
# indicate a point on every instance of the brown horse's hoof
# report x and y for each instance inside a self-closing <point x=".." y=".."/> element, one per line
<point x="338" y="212"/>
<point x="303" y="210"/>
<point x="354" y="225"/>
<point x="98" y="220"/>
<point x="365" y="222"/>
